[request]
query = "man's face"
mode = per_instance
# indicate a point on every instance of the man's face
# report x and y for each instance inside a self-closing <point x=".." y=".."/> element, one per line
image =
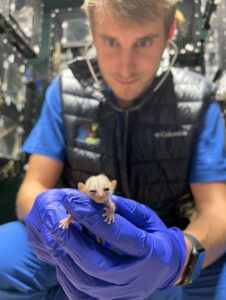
<point x="128" y="54"/>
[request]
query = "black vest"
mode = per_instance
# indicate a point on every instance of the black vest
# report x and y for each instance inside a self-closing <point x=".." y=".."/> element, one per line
<point x="150" y="157"/>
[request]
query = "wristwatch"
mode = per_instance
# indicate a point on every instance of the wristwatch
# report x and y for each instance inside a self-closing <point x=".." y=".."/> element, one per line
<point x="195" y="261"/>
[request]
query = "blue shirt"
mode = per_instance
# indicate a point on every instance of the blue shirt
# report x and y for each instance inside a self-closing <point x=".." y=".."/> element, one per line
<point x="208" y="162"/>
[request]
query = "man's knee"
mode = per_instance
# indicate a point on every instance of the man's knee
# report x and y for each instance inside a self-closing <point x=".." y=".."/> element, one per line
<point x="20" y="269"/>
<point x="13" y="246"/>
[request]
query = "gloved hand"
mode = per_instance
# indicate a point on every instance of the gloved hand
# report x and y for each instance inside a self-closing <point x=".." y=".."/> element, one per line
<point x="153" y="255"/>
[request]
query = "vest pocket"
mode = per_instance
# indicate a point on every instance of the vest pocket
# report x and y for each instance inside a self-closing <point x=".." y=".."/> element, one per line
<point x="88" y="144"/>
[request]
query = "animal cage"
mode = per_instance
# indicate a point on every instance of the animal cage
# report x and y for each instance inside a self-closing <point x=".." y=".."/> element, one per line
<point x="12" y="75"/>
<point x="70" y="32"/>
<point x="21" y="20"/>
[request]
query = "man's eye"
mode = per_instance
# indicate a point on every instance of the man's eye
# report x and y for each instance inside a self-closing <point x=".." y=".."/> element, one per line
<point x="110" y="42"/>
<point x="106" y="189"/>
<point x="143" y="43"/>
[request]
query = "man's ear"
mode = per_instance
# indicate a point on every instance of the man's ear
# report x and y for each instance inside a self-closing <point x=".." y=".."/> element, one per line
<point x="82" y="187"/>
<point x="113" y="184"/>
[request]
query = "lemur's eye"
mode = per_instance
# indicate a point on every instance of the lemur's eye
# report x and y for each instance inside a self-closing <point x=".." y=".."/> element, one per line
<point x="93" y="191"/>
<point x="106" y="189"/>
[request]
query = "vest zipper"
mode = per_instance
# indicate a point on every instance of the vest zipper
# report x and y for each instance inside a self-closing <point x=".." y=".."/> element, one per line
<point x="124" y="149"/>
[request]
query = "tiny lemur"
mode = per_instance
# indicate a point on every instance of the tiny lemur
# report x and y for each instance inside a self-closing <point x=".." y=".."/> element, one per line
<point x="99" y="188"/>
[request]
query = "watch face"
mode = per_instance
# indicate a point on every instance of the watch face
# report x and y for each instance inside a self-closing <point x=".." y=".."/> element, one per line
<point x="199" y="263"/>
<point x="195" y="262"/>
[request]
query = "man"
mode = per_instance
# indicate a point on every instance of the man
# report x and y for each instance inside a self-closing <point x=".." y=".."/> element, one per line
<point x="161" y="137"/>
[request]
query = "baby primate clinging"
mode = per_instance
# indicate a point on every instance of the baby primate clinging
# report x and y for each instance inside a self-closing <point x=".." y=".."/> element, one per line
<point x="99" y="188"/>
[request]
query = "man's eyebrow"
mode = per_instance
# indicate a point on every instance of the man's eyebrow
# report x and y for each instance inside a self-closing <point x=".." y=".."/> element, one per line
<point x="148" y="37"/>
<point x="102" y="35"/>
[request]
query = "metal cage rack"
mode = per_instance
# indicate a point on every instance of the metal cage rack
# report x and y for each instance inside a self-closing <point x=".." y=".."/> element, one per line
<point x="12" y="101"/>
<point x="12" y="74"/>
<point x="69" y="33"/>
<point x="10" y="138"/>
<point x="215" y="52"/>
<point x="21" y="24"/>
<point x="215" y="45"/>
<point x="21" y="20"/>
<point x="188" y="34"/>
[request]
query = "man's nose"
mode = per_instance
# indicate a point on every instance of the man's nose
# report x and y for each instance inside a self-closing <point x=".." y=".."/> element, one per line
<point x="126" y="65"/>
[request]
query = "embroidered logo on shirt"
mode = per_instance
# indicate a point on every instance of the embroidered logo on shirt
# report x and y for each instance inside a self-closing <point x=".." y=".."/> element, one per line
<point x="89" y="133"/>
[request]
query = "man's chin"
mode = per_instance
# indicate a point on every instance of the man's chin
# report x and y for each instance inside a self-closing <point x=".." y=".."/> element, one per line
<point x="124" y="103"/>
<point x="126" y="97"/>
<point x="129" y="93"/>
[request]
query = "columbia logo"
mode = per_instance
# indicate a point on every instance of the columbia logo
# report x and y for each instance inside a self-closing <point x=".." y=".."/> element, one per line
<point x="169" y="134"/>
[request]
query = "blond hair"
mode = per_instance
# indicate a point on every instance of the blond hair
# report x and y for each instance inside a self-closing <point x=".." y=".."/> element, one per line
<point x="138" y="11"/>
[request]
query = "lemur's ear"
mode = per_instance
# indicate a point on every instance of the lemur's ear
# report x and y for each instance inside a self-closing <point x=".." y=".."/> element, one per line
<point x="113" y="184"/>
<point x="172" y="29"/>
<point x="82" y="187"/>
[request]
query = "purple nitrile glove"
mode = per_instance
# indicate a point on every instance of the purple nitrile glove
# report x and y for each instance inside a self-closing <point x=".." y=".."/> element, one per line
<point x="153" y="255"/>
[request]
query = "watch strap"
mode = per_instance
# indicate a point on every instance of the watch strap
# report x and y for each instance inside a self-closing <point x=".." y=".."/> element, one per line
<point x="195" y="261"/>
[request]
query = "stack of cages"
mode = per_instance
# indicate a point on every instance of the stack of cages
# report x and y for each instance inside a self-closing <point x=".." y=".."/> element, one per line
<point x="215" y="52"/>
<point x="13" y="98"/>
<point x="70" y="35"/>
<point x="22" y="21"/>
<point x="20" y="40"/>
<point x="188" y="35"/>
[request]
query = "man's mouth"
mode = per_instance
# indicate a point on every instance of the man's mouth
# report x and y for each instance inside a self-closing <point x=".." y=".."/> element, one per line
<point x="127" y="82"/>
